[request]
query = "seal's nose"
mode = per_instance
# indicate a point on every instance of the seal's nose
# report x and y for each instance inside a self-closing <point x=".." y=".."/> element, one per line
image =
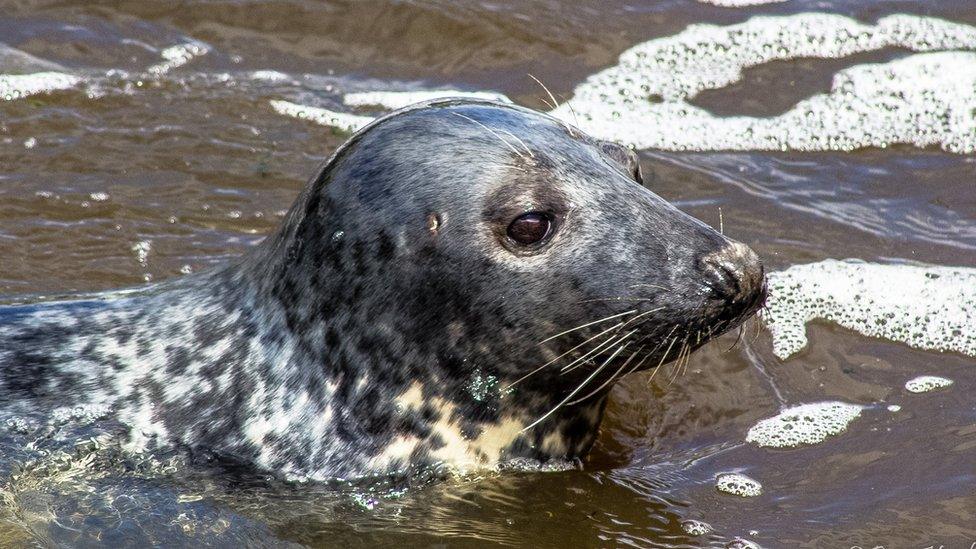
<point x="736" y="276"/>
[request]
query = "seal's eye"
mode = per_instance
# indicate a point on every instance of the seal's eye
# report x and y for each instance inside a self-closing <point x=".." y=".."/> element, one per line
<point x="530" y="228"/>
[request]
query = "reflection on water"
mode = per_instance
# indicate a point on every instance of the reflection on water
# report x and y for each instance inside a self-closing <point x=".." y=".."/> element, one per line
<point x="149" y="147"/>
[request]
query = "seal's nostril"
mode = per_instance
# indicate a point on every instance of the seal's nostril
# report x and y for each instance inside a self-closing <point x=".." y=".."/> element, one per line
<point x="735" y="274"/>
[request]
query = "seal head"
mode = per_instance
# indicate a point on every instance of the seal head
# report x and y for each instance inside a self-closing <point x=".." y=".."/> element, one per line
<point x="461" y="283"/>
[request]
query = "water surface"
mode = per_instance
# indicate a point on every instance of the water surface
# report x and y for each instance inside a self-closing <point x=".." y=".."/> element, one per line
<point x="169" y="161"/>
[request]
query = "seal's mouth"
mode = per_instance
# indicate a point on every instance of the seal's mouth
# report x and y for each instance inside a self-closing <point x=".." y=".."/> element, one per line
<point x="746" y="301"/>
<point x="649" y="337"/>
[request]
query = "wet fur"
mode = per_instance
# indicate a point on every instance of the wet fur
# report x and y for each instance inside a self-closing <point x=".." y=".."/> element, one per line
<point x="363" y="339"/>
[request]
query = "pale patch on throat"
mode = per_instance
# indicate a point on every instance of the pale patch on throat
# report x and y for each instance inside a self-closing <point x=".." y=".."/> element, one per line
<point x="494" y="444"/>
<point x="448" y="444"/>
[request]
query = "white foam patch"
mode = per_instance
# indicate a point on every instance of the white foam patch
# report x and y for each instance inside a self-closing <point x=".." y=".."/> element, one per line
<point x="177" y="56"/>
<point x="384" y="100"/>
<point x="142" y="249"/>
<point x="803" y="424"/>
<point x="270" y="76"/>
<point x="344" y="121"/>
<point x="923" y="99"/>
<point x="696" y="527"/>
<point x="925" y="307"/>
<point x="398" y="100"/>
<point x="738" y="485"/>
<point x="924" y="384"/>
<point x="18" y="86"/>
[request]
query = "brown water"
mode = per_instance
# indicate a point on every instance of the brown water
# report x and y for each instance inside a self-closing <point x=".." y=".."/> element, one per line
<point x="197" y="167"/>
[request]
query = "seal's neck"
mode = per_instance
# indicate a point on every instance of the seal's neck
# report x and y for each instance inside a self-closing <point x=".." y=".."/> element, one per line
<point x="402" y="388"/>
<point x="307" y="392"/>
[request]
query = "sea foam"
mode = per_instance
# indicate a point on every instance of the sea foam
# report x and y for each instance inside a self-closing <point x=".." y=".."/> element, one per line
<point x="644" y="100"/>
<point x="924" y="307"/>
<point x="804" y="424"/>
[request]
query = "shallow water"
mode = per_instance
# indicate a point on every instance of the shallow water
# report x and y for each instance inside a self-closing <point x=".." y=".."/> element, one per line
<point x="162" y="161"/>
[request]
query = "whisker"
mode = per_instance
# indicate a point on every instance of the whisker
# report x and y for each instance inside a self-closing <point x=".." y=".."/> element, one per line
<point x="676" y="371"/>
<point x="645" y="313"/>
<point x="517" y="138"/>
<point x="551" y="96"/>
<point x="620" y="298"/>
<point x="644" y="338"/>
<point x="658" y="346"/>
<point x="666" y="351"/>
<point x="492" y="132"/>
<point x="609" y="380"/>
<point x="537" y="370"/>
<point x="581" y="326"/>
<point x="671" y="333"/>
<point x="682" y="360"/>
<point x="687" y="359"/>
<point x="662" y="288"/>
<point x="573" y="111"/>
<point x="575" y="364"/>
<point x="546" y="102"/>
<point x="738" y="336"/>
<point x="639" y="364"/>
<point x="721" y="222"/>
<point x="513" y="167"/>
<point x="555" y="104"/>
<point x="576" y="390"/>
<point x="663" y="357"/>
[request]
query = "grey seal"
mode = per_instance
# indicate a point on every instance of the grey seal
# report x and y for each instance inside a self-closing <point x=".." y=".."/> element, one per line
<point x="460" y="284"/>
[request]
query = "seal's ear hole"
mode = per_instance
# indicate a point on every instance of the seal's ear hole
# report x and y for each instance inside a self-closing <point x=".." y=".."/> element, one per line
<point x="625" y="157"/>
<point x="530" y="228"/>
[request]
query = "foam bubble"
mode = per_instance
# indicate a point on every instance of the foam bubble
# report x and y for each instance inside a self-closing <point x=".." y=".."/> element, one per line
<point x="344" y="121"/>
<point x="17" y="86"/>
<point x="738" y="485"/>
<point x="803" y="424"/>
<point x="177" y="56"/>
<point x="924" y="384"/>
<point x="922" y="99"/>
<point x="270" y="76"/>
<point x="533" y="465"/>
<point x="696" y="527"/>
<point x="397" y="100"/>
<point x="141" y="250"/>
<point x="924" y="307"/>
<point x="387" y="100"/>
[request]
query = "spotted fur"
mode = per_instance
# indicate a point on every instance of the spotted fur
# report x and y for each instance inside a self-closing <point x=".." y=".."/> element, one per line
<point x="381" y="329"/>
